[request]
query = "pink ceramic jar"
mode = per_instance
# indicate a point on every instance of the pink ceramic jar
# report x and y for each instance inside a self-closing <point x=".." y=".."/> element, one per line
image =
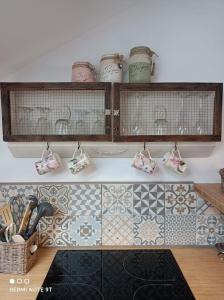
<point x="83" y="71"/>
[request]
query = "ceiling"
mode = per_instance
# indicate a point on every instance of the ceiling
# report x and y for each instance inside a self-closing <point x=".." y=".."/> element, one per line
<point x="30" y="28"/>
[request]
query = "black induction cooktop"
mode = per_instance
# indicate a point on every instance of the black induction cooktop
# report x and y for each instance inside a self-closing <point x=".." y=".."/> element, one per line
<point x="115" y="275"/>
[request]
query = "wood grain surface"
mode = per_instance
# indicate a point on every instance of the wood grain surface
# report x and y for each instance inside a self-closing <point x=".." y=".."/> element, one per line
<point x="212" y="193"/>
<point x="201" y="267"/>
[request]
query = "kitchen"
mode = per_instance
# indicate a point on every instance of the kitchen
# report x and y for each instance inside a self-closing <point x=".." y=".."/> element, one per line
<point x="117" y="168"/>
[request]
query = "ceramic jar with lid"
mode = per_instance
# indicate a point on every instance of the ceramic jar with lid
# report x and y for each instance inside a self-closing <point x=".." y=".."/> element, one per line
<point x="111" y="66"/>
<point x="83" y="71"/>
<point x="141" y="65"/>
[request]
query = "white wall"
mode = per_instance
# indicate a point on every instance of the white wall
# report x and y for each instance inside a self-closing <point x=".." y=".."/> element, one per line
<point x="189" y="38"/>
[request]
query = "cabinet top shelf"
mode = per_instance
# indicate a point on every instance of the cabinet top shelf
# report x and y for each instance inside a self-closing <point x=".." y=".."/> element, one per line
<point x="55" y="85"/>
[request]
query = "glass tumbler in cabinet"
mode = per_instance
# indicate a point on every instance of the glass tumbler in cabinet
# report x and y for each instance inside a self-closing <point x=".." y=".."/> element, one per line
<point x="160" y="123"/>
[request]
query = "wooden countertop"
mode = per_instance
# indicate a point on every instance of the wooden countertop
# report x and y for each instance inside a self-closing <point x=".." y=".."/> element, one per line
<point x="212" y="193"/>
<point x="203" y="270"/>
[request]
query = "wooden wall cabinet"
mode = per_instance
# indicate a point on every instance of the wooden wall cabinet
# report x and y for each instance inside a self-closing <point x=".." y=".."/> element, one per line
<point x="56" y="111"/>
<point x="86" y="112"/>
<point x="167" y="112"/>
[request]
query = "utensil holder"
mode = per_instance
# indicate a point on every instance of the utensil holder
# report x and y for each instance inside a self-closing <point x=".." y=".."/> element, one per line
<point x="16" y="258"/>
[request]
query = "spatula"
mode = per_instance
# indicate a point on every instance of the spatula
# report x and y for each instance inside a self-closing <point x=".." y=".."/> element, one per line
<point x="27" y="214"/>
<point x="5" y="213"/>
<point x="44" y="209"/>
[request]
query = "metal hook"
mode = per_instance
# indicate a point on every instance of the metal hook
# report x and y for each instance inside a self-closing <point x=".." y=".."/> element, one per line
<point x="78" y="145"/>
<point x="175" y="146"/>
<point x="48" y="146"/>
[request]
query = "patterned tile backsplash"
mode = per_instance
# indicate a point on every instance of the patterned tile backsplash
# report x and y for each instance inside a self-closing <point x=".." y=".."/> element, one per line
<point x="91" y="214"/>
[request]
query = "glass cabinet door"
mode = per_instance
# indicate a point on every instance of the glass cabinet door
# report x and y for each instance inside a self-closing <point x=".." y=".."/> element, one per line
<point x="162" y="112"/>
<point x="59" y="113"/>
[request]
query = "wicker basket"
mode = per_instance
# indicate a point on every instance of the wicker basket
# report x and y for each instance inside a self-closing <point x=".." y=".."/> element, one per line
<point x="16" y="258"/>
<point x="221" y="172"/>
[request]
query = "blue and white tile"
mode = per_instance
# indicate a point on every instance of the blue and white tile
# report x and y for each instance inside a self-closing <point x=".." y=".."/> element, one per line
<point x="180" y="230"/>
<point x="54" y="231"/>
<point x="180" y="199"/>
<point x="202" y="205"/>
<point x="58" y="195"/>
<point x="210" y="229"/>
<point x="148" y="199"/>
<point x="13" y="190"/>
<point x="85" y="199"/>
<point x="86" y="230"/>
<point x="205" y="208"/>
<point x="149" y="230"/>
<point x="2" y="198"/>
<point x="117" y="230"/>
<point x="210" y="224"/>
<point x="117" y="199"/>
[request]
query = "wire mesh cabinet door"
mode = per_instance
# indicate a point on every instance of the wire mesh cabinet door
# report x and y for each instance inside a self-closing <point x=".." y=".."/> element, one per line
<point x="56" y="111"/>
<point x="167" y="112"/>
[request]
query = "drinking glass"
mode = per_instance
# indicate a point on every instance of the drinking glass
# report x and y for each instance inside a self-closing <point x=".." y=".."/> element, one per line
<point x="137" y="128"/>
<point x="63" y="126"/>
<point x="123" y="129"/>
<point x="99" y="123"/>
<point x="201" y="125"/>
<point x="25" y="120"/>
<point x="43" y="125"/>
<point x="160" y="123"/>
<point x="183" y="116"/>
<point x="81" y="124"/>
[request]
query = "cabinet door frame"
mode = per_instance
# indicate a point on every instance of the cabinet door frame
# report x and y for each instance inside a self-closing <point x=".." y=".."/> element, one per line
<point x="217" y="115"/>
<point x="6" y="87"/>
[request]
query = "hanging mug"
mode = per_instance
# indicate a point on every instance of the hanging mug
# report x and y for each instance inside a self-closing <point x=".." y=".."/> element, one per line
<point x="49" y="161"/>
<point x="79" y="161"/>
<point x="173" y="161"/>
<point x="144" y="162"/>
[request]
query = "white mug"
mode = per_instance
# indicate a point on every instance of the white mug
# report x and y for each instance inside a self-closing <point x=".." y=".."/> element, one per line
<point x="144" y="162"/>
<point x="79" y="161"/>
<point x="173" y="161"/>
<point x="48" y="162"/>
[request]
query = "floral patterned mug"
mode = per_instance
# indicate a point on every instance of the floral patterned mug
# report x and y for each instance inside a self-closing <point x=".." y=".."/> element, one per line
<point x="79" y="161"/>
<point x="144" y="162"/>
<point x="48" y="162"/>
<point x="173" y="161"/>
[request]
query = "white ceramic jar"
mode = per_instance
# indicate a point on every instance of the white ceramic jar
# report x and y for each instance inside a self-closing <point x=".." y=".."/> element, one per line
<point x="111" y="68"/>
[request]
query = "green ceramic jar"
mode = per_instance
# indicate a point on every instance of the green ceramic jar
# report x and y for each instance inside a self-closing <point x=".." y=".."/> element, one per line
<point x="141" y="65"/>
